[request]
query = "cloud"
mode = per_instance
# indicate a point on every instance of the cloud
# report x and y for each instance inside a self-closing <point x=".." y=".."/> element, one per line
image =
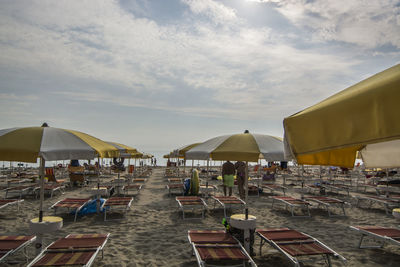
<point x="217" y="12"/>
<point x="213" y="61"/>
<point x="367" y="24"/>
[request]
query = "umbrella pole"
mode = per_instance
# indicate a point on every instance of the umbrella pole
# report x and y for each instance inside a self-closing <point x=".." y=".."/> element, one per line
<point x="208" y="160"/>
<point x="246" y="186"/>
<point x="41" y="174"/>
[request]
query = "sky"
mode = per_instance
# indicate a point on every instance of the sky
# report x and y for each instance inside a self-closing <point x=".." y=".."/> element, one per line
<point x="161" y="74"/>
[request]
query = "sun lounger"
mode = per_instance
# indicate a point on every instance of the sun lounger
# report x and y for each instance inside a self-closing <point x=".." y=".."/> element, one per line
<point x="382" y="234"/>
<point x="294" y="244"/>
<point x="133" y="187"/>
<point x="207" y="190"/>
<point x="6" y="202"/>
<point x="292" y="203"/>
<point x="275" y="187"/>
<point x="315" y="189"/>
<point x="173" y="188"/>
<point x="71" y="204"/>
<point x="327" y="202"/>
<point x="229" y="202"/>
<point x="139" y="180"/>
<point x="50" y="188"/>
<point x="22" y="190"/>
<point x="175" y="180"/>
<point x="218" y="248"/>
<point x="76" y="250"/>
<point x="338" y="188"/>
<point x="12" y="244"/>
<point x="191" y="203"/>
<point x="388" y="203"/>
<point x="254" y="189"/>
<point x="116" y="203"/>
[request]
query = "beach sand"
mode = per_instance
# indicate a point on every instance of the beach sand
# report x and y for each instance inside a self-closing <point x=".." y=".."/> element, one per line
<point x="154" y="234"/>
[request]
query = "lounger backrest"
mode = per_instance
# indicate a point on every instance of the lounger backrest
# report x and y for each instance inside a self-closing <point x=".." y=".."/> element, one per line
<point x="220" y="253"/>
<point x="211" y="238"/>
<point x="382" y="231"/>
<point x="12" y="242"/>
<point x="282" y="234"/>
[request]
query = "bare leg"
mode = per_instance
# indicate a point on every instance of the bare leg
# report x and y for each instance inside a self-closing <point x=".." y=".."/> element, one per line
<point x="224" y="190"/>
<point x="230" y="191"/>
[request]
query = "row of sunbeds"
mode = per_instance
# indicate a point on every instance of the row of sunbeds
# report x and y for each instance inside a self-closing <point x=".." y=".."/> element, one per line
<point x="219" y="248"/>
<point x="194" y="203"/>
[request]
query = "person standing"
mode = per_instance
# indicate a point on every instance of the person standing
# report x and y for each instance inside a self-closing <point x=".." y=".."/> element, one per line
<point x="228" y="172"/>
<point x="240" y="167"/>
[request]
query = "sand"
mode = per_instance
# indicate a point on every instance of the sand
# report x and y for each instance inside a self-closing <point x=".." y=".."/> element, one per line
<point x="154" y="234"/>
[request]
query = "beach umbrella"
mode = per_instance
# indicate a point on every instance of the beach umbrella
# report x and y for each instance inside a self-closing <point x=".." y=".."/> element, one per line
<point x="47" y="143"/>
<point x="363" y="117"/>
<point x="124" y="149"/>
<point x="244" y="147"/>
<point x="180" y="153"/>
<point x="239" y="147"/>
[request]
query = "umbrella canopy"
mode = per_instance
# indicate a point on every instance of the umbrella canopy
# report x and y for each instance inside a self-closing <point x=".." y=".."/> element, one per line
<point x="181" y="152"/>
<point x="363" y="117"/>
<point x="47" y="143"/>
<point x="124" y="150"/>
<point x="29" y="143"/>
<point x="243" y="147"/>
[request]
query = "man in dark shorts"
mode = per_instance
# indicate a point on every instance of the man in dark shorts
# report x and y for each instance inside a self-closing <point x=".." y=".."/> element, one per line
<point x="240" y="167"/>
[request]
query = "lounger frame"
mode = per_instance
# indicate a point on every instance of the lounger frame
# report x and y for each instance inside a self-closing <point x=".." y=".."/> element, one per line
<point x="383" y="239"/>
<point x="77" y="209"/>
<point x="21" y="189"/>
<point x="22" y="248"/>
<point x="388" y="203"/>
<point x="213" y="244"/>
<point x="120" y="207"/>
<point x="294" y="259"/>
<point x="96" y="251"/>
<point x="7" y="202"/>
<point x="328" y="204"/>
<point x="201" y="204"/>
<point x="225" y="205"/>
<point x="287" y="203"/>
<point x="275" y="187"/>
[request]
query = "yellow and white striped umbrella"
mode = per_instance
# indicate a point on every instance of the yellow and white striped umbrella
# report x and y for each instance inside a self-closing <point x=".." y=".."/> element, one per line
<point x="244" y="147"/>
<point x="48" y="143"/>
<point x="29" y="143"/>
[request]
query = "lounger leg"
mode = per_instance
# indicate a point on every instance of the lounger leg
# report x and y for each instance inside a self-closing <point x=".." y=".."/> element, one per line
<point x="344" y="212"/>
<point x="76" y="215"/>
<point x="328" y="259"/>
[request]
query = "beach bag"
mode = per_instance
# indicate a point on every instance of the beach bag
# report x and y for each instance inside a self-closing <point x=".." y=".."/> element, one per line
<point x="186" y="187"/>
